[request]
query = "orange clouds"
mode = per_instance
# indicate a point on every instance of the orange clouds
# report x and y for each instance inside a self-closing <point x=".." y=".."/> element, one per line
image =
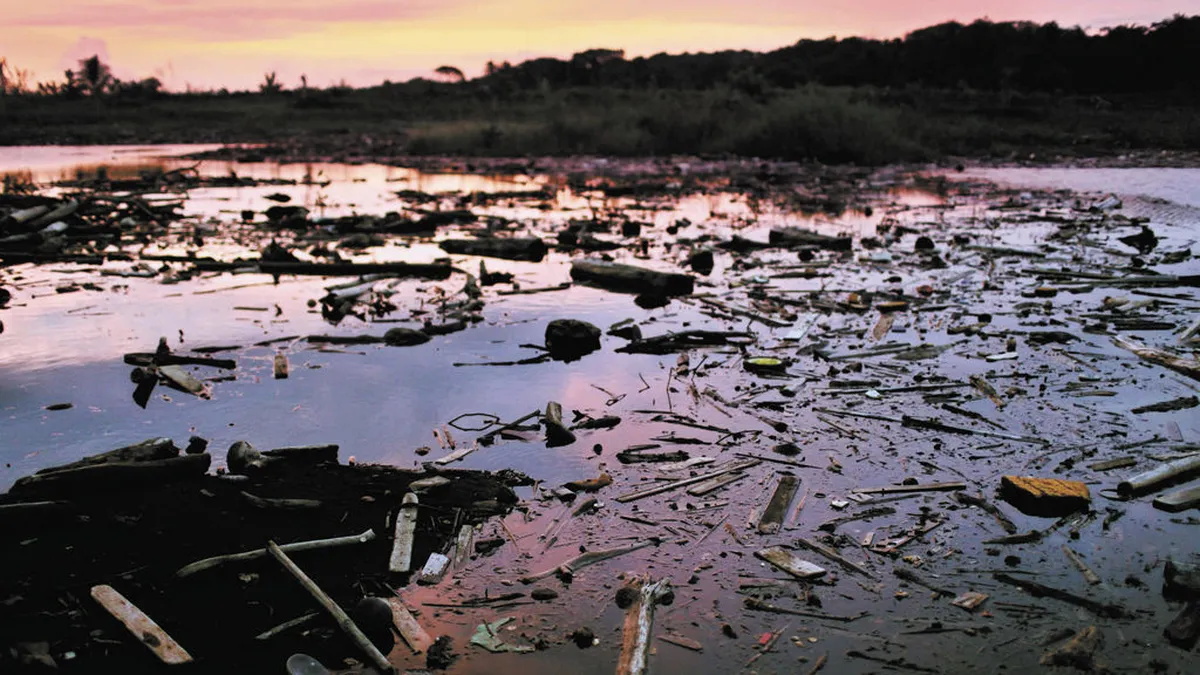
<point x="213" y="43"/>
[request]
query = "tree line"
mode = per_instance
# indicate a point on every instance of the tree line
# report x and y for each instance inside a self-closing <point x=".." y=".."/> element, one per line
<point x="983" y="55"/>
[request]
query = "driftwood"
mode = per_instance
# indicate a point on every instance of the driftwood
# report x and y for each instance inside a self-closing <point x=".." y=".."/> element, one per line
<point x="141" y="626"/>
<point x="639" y="620"/>
<point x="243" y="458"/>
<point x="402" y="544"/>
<point x="418" y="640"/>
<point x="831" y="525"/>
<point x="1179" y="500"/>
<point x="397" y="269"/>
<point x="339" y="615"/>
<point x="179" y="378"/>
<point x="569" y="568"/>
<point x="715" y="483"/>
<point x="835" y="556"/>
<point x="532" y="249"/>
<point x="912" y="578"/>
<point x="618" y="277"/>
<point x="312" y="545"/>
<point x="1159" y="476"/>
<point x="979" y="501"/>
<point x="24" y="514"/>
<point x="113" y="475"/>
<point x="730" y="468"/>
<point x="790" y="563"/>
<point x="152" y="359"/>
<point x="1189" y="367"/>
<point x="793" y="236"/>
<point x="772" y="517"/>
<point x="1091" y="577"/>
<point x="1039" y="590"/>
<point x="286" y="626"/>
<point x="904" y="489"/>
<point x="756" y="604"/>
<point x="154" y="448"/>
<point x="640" y="454"/>
<point x="557" y="434"/>
<point x="1079" y="652"/>
<point x="683" y="341"/>
<point x="277" y="504"/>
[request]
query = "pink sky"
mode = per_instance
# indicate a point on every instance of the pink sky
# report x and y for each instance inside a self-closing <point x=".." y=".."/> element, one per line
<point x="215" y="43"/>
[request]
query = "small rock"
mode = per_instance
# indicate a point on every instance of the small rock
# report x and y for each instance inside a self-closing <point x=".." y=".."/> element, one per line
<point x="570" y="339"/>
<point x="196" y="445"/>
<point x="543" y="594"/>
<point x="923" y="243"/>
<point x="583" y="637"/>
<point x="701" y="262"/>
<point x="651" y="300"/>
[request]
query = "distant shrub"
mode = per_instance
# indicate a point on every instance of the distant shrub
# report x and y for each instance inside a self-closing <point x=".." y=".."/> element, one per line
<point x="825" y="125"/>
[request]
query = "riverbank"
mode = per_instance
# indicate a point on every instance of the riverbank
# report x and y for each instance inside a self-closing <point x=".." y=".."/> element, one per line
<point x="827" y="124"/>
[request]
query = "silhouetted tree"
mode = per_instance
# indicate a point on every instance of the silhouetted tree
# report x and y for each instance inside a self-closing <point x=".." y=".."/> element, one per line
<point x="450" y="74"/>
<point x="270" y="84"/>
<point x="94" y="77"/>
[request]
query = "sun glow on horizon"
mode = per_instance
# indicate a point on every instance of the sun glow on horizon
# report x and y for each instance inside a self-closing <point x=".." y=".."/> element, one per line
<point x="224" y="43"/>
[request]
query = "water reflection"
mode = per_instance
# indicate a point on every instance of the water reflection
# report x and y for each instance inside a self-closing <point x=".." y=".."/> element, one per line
<point x="67" y="346"/>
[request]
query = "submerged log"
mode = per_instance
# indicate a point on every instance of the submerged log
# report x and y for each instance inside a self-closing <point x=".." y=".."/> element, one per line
<point x="631" y="279"/>
<point x="532" y="249"/>
<point x="398" y="269"/>
<point x="792" y="236"/>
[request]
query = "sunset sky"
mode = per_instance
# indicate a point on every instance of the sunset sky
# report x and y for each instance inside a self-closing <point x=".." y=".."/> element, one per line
<point x="231" y="43"/>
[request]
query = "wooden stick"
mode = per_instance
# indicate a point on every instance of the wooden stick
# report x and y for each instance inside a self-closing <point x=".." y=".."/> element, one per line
<point x="1091" y="577"/>
<point x="1038" y="590"/>
<point x="406" y="525"/>
<point x="901" y="489"/>
<point x="642" y="494"/>
<point x="141" y="626"/>
<point x="418" y="640"/>
<point x="343" y="620"/>
<point x="590" y="558"/>
<point x="286" y="626"/>
<point x="835" y="556"/>
<point x="639" y="620"/>
<point x="208" y="563"/>
<point x="755" y="603"/>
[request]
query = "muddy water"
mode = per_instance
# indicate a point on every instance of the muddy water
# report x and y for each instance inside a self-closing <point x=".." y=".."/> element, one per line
<point x="382" y="405"/>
